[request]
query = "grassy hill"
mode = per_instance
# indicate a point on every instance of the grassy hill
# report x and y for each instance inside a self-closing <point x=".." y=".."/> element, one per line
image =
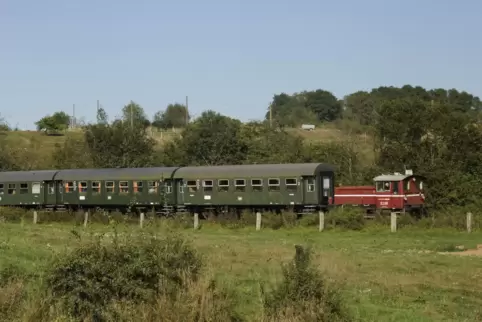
<point x="37" y="148"/>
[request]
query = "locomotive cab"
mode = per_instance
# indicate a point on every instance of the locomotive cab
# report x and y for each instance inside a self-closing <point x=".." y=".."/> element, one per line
<point x="399" y="192"/>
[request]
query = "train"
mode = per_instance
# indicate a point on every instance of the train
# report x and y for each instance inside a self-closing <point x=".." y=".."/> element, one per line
<point x="302" y="188"/>
<point x="394" y="192"/>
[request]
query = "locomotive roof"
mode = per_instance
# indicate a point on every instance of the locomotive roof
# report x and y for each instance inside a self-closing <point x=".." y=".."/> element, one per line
<point x="115" y="173"/>
<point x="253" y="170"/>
<point x="38" y="175"/>
<point x="393" y="177"/>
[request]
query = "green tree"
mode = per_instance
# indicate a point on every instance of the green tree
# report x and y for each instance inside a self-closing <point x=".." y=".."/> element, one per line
<point x="72" y="154"/>
<point x="119" y="145"/>
<point x="212" y="139"/>
<point x="133" y="114"/>
<point x="59" y="121"/>
<point x="304" y="107"/>
<point x="102" y="117"/>
<point x="175" y="115"/>
<point x="267" y="144"/>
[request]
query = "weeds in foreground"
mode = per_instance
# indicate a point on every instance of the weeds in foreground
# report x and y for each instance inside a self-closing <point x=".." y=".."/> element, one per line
<point x="303" y="294"/>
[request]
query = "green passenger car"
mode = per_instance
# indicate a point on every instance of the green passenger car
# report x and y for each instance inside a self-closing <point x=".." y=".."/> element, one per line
<point x="114" y="188"/>
<point x="263" y="186"/>
<point x="24" y="188"/>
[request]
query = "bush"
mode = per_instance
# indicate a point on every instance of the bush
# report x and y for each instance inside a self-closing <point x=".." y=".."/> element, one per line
<point x="347" y="218"/>
<point x="97" y="275"/>
<point x="303" y="295"/>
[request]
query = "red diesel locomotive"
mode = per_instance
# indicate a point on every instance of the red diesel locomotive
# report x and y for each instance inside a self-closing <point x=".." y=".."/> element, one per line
<point x="392" y="192"/>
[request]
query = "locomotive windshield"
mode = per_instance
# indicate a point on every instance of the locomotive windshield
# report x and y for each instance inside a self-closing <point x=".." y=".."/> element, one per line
<point x="383" y="186"/>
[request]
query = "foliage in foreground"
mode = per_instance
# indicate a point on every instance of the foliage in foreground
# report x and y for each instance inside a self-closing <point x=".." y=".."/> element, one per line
<point x="108" y="281"/>
<point x="303" y="294"/>
<point x="154" y="279"/>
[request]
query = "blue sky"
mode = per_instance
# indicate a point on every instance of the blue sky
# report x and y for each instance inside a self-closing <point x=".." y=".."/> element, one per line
<point x="229" y="56"/>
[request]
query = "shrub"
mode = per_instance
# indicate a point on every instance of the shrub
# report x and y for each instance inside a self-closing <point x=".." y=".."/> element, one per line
<point x="347" y="218"/>
<point x="96" y="275"/>
<point x="303" y="294"/>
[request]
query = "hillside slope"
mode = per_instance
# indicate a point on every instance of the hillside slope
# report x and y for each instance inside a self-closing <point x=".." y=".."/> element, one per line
<point x="37" y="148"/>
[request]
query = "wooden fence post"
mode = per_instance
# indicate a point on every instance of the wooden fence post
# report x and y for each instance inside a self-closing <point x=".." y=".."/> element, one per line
<point x="258" y="221"/>
<point x="86" y="218"/>
<point x="322" y="221"/>
<point x="196" y="220"/>
<point x="35" y="217"/>
<point x="393" y="222"/>
<point x="469" y="222"/>
<point x="141" y="220"/>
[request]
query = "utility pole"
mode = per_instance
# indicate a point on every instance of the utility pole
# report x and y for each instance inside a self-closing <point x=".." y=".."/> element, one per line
<point x="187" y="112"/>
<point x="271" y="115"/>
<point x="132" y="118"/>
<point x="73" y="116"/>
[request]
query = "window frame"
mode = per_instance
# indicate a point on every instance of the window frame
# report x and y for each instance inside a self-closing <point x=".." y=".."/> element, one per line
<point x="223" y="187"/>
<point x="238" y="187"/>
<point x="274" y="186"/>
<point x="96" y="190"/>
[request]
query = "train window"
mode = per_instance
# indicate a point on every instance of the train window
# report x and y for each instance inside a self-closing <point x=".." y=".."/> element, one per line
<point x="69" y="187"/>
<point x="123" y="186"/>
<point x="1" y="189"/>
<point x="36" y="188"/>
<point x="207" y="185"/>
<point x="291" y="184"/>
<point x="273" y="184"/>
<point x="311" y="184"/>
<point x="137" y="185"/>
<point x="420" y="185"/>
<point x="257" y="184"/>
<point x="407" y="188"/>
<point x="383" y="186"/>
<point x="168" y="186"/>
<point x="192" y="185"/>
<point x="50" y="187"/>
<point x="95" y="186"/>
<point x="181" y="186"/>
<point x="152" y="187"/>
<point x="12" y="188"/>
<point x="223" y="185"/>
<point x="395" y="187"/>
<point x="240" y="185"/>
<point x="109" y="186"/>
<point x="23" y="188"/>
<point x="83" y="186"/>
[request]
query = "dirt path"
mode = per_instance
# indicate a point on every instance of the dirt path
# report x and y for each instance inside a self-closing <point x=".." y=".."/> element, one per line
<point x="468" y="252"/>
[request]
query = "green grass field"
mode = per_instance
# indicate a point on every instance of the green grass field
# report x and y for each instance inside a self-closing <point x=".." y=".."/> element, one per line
<point x="383" y="276"/>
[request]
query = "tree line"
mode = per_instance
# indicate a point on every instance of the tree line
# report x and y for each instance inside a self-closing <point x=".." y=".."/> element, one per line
<point x="434" y="132"/>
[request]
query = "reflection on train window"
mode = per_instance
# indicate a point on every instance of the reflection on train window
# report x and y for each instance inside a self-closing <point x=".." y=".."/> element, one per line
<point x="69" y="187"/>
<point x="207" y="185"/>
<point x="152" y="187"/>
<point x="83" y="186"/>
<point x="257" y="185"/>
<point x="223" y="185"/>
<point x="191" y="185"/>
<point x="273" y="185"/>
<point x="291" y="184"/>
<point x="123" y="186"/>
<point x="109" y="186"/>
<point x="12" y="188"/>
<point x="311" y="184"/>
<point x="24" y="188"/>
<point x="239" y="185"/>
<point x="137" y="186"/>
<point x="95" y="187"/>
